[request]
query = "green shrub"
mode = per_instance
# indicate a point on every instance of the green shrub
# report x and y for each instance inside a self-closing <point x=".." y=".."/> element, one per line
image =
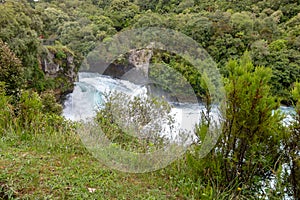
<point x="11" y="70"/>
<point x="292" y="148"/>
<point x="49" y="103"/>
<point x="123" y="120"/>
<point x="247" y="152"/>
<point x="6" y="110"/>
<point x="30" y="113"/>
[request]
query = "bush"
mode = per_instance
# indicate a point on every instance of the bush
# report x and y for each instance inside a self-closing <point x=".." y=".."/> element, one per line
<point x="6" y="110"/>
<point x="134" y="124"/>
<point x="49" y="103"/>
<point x="292" y="148"/>
<point x="247" y="153"/>
<point x="29" y="111"/>
<point x="11" y="70"/>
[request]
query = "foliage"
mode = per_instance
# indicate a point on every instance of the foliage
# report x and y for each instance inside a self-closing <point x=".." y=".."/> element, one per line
<point x="49" y="103"/>
<point x="291" y="147"/>
<point x="20" y="26"/>
<point x="173" y="72"/>
<point x="11" y="70"/>
<point x="225" y="30"/>
<point x="121" y="12"/>
<point x="134" y="124"/>
<point x="6" y="110"/>
<point x="30" y="111"/>
<point x="247" y="152"/>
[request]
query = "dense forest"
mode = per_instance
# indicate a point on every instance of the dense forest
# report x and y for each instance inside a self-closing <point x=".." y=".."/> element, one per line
<point x="256" y="46"/>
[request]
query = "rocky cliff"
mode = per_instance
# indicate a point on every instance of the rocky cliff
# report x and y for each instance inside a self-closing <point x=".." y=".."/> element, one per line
<point x="133" y="66"/>
<point x="60" y="64"/>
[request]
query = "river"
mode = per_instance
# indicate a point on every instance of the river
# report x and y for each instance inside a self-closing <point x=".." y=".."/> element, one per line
<point x="88" y="93"/>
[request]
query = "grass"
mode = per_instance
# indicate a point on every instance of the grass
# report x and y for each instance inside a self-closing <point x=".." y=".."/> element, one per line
<point x="57" y="166"/>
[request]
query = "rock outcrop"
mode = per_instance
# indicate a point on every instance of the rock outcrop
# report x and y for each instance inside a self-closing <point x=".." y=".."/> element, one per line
<point x="141" y="60"/>
<point x="59" y="63"/>
<point x="133" y="67"/>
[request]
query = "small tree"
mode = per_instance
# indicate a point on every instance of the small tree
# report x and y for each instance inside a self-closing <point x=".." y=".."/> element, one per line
<point x="11" y="70"/>
<point x="247" y="151"/>
<point x="292" y="147"/>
